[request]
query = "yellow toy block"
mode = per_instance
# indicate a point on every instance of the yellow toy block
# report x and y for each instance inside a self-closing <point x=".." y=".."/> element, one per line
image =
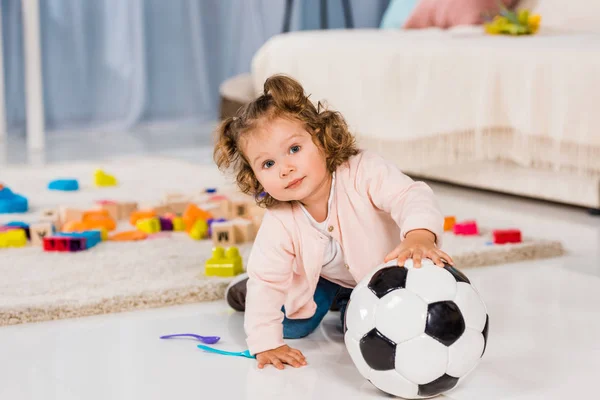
<point x="13" y="238"/>
<point x="178" y="224"/>
<point x="224" y="263"/>
<point x="148" y="225"/>
<point x="199" y="230"/>
<point x="101" y="178"/>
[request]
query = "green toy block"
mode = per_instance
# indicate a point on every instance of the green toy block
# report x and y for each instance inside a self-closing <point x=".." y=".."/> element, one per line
<point x="224" y="263"/>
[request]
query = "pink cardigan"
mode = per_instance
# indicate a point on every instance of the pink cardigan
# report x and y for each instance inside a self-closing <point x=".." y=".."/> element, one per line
<point x="375" y="205"/>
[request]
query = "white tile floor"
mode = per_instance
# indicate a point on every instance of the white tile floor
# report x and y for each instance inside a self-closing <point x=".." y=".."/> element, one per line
<point x="544" y="340"/>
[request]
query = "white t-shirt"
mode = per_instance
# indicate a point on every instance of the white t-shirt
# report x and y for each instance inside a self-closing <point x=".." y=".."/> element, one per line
<point x="333" y="264"/>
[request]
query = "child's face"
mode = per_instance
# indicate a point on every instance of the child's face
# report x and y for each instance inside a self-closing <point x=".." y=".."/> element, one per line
<point x="286" y="161"/>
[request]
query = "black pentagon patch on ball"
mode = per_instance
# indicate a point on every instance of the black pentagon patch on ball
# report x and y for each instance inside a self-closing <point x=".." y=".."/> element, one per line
<point x="485" y="333"/>
<point x="387" y="279"/>
<point x="459" y="276"/>
<point x="440" y="385"/>
<point x="445" y="322"/>
<point x="378" y="351"/>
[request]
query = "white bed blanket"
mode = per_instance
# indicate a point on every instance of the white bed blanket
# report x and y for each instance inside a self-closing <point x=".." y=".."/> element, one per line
<point x="456" y="95"/>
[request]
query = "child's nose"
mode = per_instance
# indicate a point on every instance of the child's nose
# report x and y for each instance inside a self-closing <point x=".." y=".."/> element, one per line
<point x="286" y="170"/>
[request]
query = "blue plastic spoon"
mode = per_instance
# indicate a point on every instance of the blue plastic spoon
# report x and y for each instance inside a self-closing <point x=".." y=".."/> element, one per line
<point x="245" y="353"/>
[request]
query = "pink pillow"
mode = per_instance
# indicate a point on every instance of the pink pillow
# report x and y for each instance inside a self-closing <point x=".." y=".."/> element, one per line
<point x="448" y="13"/>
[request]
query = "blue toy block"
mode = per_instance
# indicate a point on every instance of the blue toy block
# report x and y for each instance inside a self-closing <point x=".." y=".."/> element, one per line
<point x="92" y="237"/>
<point x="12" y="203"/>
<point x="21" y="224"/>
<point x="66" y="185"/>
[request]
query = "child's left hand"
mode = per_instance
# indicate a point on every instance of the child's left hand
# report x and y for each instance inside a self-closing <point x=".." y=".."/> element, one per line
<point x="419" y="244"/>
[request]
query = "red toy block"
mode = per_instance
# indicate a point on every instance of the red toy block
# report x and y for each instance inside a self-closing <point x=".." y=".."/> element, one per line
<point x="502" y="236"/>
<point x="64" y="244"/>
<point x="466" y="228"/>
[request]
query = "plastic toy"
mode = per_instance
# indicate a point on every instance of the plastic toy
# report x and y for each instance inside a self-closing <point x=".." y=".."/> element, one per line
<point x="211" y="190"/>
<point x="199" y="230"/>
<point x="99" y="219"/>
<point x="67" y="185"/>
<point x="502" y="236"/>
<point x="142" y="214"/>
<point x="22" y="225"/>
<point x="192" y="214"/>
<point x="203" y="339"/>
<point x="11" y="202"/>
<point x="64" y="244"/>
<point x="224" y="263"/>
<point x="103" y="179"/>
<point x="128" y="236"/>
<point x="13" y="237"/>
<point x="442" y="336"/>
<point x="449" y="223"/>
<point x="92" y="238"/>
<point x="178" y="224"/>
<point x="245" y="353"/>
<point x="148" y="225"/>
<point x="166" y="224"/>
<point x="466" y="228"/>
<point x="111" y="207"/>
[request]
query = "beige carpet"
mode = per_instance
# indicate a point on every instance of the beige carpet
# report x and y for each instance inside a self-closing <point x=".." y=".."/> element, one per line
<point x="114" y="277"/>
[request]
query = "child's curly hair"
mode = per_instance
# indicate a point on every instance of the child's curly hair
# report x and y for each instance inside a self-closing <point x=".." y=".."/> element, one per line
<point x="282" y="97"/>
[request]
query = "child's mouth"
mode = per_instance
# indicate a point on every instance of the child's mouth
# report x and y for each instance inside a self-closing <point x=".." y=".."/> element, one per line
<point x="294" y="184"/>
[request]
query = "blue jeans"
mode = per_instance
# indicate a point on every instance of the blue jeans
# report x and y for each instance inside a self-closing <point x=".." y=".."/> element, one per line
<point x="325" y="294"/>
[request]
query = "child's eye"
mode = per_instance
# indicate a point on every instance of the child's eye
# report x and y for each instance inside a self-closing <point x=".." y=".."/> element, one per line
<point x="294" y="149"/>
<point x="268" y="164"/>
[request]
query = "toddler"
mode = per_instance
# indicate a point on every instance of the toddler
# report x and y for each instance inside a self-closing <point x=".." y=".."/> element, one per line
<point x="334" y="212"/>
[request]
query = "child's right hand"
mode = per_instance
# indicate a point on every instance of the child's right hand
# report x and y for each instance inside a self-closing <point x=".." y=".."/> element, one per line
<point x="279" y="356"/>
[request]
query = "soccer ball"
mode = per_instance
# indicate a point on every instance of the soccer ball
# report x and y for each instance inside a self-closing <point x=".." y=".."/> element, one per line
<point x="415" y="333"/>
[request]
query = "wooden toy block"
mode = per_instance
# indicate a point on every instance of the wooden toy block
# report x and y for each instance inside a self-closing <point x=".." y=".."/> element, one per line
<point x="199" y="230"/>
<point x="466" y="228"/>
<point x="141" y="214"/>
<point x="161" y="209"/>
<point x="102" y="179"/>
<point x="244" y="230"/>
<point x="13" y="237"/>
<point x="39" y="231"/>
<point x="112" y="207"/>
<point x="211" y="221"/>
<point x="502" y="236"/>
<point x="240" y="209"/>
<point x="216" y="210"/>
<point x="449" y="223"/>
<point x="128" y="236"/>
<point x="192" y="214"/>
<point x="224" y="263"/>
<point x="176" y="198"/>
<point x="52" y="216"/>
<point x="148" y="225"/>
<point x="177" y="207"/>
<point x="223" y="233"/>
<point x="126" y="209"/>
<point x="70" y="214"/>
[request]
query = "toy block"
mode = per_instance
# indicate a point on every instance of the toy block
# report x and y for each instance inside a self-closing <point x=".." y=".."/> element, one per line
<point x="466" y="228"/>
<point x="112" y="207"/>
<point x="102" y="179"/>
<point x="21" y="225"/>
<point x="148" y="225"/>
<point x="216" y="210"/>
<point x="211" y="221"/>
<point x="75" y="226"/>
<point x="176" y="198"/>
<point x="178" y="224"/>
<point x="192" y="214"/>
<point x="244" y="230"/>
<point x="95" y="214"/>
<point x="177" y="207"/>
<point x="502" y="236"/>
<point x="224" y="263"/>
<point x="166" y="224"/>
<point x="126" y="209"/>
<point x="199" y="230"/>
<point x="65" y="185"/>
<point x="13" y="237"/>
<point x="223" y="233"/>
<point x="11" y="202"/>
<point x="161" y="209"/>
<point x="57" y="243"/>
<point x="449" y="223"/>
<point x="141" y="214"/>
<point x="92" y="238"/>
<point x="70" y="214"/>
<point x="99" y="219"/>
<point x="239" y="209"/>
<point x="52" y="216"/>
<point x="39" y="231"/>
<point x="128" y="236"/>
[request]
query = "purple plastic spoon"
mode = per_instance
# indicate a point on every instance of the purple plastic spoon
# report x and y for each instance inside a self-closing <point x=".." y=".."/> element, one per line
<point x="203" y="339"/>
